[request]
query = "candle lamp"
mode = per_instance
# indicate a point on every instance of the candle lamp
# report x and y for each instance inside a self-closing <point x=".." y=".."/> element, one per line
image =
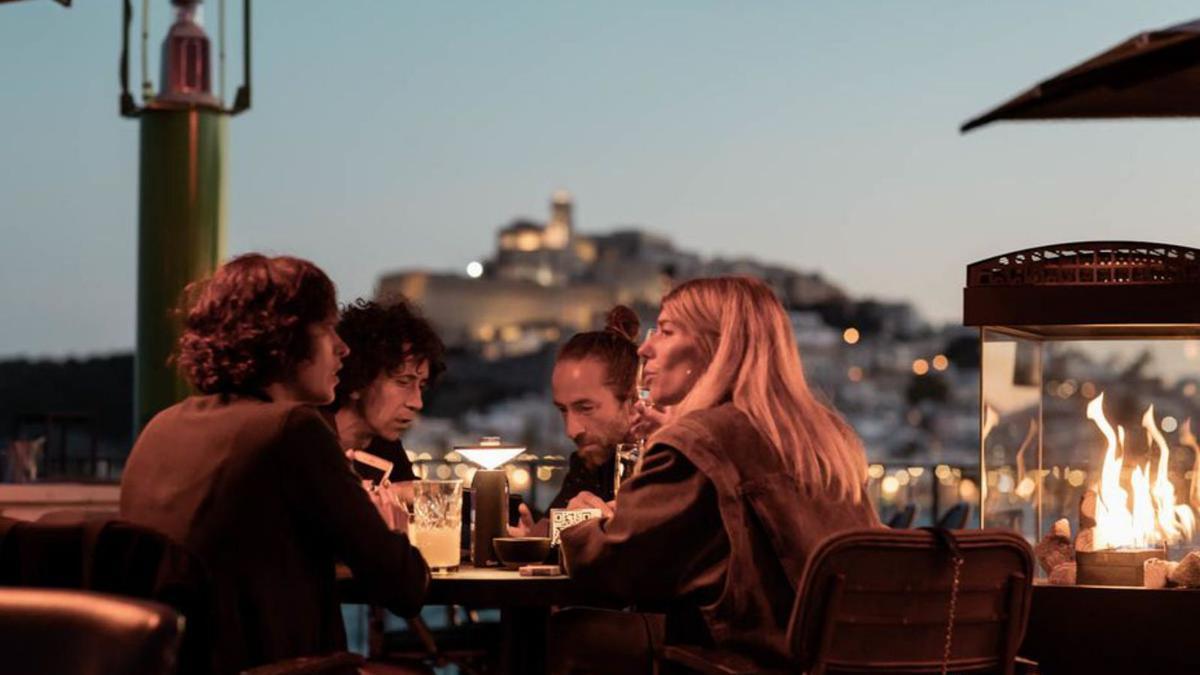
<point x="489" y="497"/>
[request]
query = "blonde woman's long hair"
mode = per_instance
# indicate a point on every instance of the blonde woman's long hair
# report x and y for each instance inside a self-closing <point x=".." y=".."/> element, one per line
<point x="746" y="338"/>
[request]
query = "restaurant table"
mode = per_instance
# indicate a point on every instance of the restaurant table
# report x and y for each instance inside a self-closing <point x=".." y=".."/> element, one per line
<point x="524" y="604"/>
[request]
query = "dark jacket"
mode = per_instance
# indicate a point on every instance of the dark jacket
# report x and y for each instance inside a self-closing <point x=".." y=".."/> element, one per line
<point x="714" y="530"/>
<point x="581" y="477"/>
<point x="262" y="493"/>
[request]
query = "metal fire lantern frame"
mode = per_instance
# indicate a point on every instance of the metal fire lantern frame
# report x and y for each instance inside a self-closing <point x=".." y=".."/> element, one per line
<point x="1097" y="290"/>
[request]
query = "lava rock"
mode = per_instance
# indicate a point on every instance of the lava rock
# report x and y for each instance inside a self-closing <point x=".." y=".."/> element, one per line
<point x="1187" y="572"/>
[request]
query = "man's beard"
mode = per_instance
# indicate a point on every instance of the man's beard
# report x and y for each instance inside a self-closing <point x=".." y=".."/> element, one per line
<point x="593" y="454"/>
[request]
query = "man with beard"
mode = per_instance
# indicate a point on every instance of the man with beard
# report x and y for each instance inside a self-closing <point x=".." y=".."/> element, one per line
<point x="594" y="389"/>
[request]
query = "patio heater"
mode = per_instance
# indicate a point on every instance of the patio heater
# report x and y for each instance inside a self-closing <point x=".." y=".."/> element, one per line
<point x="1090" y="376"/>
<point x="182" y="183"/>
<point x="489" y="495"/>
<point x="1090" y="372"/>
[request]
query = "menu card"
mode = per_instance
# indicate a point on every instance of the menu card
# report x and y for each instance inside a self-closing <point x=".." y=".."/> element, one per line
<point x="561" y="519"/>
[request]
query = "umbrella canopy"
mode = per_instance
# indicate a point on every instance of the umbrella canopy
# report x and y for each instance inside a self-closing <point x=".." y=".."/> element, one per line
<point x="1154" y="74"/>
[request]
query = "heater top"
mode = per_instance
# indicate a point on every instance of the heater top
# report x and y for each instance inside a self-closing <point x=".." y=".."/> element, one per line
<point x="1098" y="290"/>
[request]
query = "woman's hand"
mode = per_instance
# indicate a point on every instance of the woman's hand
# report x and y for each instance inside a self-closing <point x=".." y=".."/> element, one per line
<point x="587" y="500"/>
<point x="647" y="419"/>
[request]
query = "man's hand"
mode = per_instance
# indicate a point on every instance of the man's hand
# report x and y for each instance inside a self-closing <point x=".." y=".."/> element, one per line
<point x="587" y="500"/>
<point x="524" y="528"/>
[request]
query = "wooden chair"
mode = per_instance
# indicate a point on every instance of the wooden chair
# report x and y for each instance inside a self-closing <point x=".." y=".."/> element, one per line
<point x="56" y="631"/>
<point x="881" y="601"/>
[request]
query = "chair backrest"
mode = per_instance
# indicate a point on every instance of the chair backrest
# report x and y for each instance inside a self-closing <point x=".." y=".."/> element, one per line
<point x="56" y="631"/>
<point x="878" y="600"/>
<point x="108" y="555"/>
<point x="903" y="519"/>
<point x="955" y="518"/>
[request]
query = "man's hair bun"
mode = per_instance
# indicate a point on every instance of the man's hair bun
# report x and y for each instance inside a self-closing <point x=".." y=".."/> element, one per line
<point x="622" y="321"/>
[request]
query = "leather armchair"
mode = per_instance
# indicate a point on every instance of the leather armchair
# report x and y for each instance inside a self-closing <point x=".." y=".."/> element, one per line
<point x="57" y="631"/>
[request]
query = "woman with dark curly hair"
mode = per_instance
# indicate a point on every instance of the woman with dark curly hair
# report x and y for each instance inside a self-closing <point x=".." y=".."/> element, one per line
<point x="251" y="478"/>
<point x="394" y="355"/>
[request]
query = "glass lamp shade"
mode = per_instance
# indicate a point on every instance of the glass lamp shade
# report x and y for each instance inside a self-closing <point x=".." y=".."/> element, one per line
<point x="490" y="453"/>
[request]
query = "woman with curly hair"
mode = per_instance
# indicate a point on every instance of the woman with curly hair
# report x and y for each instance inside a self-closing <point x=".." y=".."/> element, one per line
<point x="250" y="477"/>
<point x="394" y="356"/>
<point x="749" y="472"/>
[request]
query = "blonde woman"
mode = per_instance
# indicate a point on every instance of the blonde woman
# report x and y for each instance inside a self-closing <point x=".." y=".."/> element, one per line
<point x="747" y="474"/>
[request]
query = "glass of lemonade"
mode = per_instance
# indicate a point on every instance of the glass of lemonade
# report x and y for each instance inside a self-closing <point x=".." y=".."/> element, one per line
<point x="436" y="529"/>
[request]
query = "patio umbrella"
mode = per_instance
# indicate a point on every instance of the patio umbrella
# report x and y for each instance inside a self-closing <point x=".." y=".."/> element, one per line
<point x="1153" y="74"/>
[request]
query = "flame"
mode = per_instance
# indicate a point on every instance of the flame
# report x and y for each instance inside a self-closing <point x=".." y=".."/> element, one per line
<point x="1188" y="439"/>
<point x="1114" y="522"/>
<point x="1155" y="518"/>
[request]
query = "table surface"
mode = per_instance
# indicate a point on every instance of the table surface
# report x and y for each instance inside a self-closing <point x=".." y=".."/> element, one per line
<point x="495" y="587"/>
<point x="484" y="588"/>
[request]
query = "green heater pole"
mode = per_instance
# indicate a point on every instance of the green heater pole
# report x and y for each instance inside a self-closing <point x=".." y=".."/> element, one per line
<point x="181" y="236"/>
<point x="182" y="187"/>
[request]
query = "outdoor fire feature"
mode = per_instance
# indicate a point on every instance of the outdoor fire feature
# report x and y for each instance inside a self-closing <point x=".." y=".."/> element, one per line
<point x="1089" y="378"/>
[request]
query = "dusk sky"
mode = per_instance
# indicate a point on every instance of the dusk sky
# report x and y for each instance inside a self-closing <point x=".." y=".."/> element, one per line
<point x="387" y="135"/>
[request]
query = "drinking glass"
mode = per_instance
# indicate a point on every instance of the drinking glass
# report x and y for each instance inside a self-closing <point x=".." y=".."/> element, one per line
<point x="436" y="529"/>
<point x="643" y="394"/>
<point x="627" y="460"/>
<point x="643" y="389"/>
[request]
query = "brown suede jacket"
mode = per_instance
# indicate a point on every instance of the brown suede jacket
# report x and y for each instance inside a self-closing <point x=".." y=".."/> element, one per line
<point x="713" y="527"/>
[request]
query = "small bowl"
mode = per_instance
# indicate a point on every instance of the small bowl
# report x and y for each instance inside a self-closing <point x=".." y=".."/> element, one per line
<point x="516" y="551"/>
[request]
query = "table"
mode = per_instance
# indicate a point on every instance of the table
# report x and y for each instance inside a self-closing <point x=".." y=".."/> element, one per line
<point x="524" y="604"/>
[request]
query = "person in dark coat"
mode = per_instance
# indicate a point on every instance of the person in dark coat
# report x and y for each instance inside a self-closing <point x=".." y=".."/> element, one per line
<point x="394" y="356"/>
<point x="747" y="474"/>
<point x="593" y="385"/>
<point x="249" y="476"/>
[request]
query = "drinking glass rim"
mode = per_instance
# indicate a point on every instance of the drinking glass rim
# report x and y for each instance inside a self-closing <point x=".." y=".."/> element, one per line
<point x="439" y="481"/>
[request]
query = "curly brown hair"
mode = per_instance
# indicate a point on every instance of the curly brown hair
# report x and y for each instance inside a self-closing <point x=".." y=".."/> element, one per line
<point x="246" y="326"/>
<point x="381" y="337"/>
<point x="615" y="347"/>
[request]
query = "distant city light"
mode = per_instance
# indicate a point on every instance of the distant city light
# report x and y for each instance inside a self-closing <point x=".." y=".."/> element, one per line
<point x="474" y="269"/>
<point x="855" y="374"/>
<point x="850" y="335"/>
<point x="920" y="367"/>
<point x="1189" y="389"/>
<point x="443" y="472"/>
<point x="1025" y="488"/>
<point x="940" y="362"/>
<point x="889" y="485"/>
<point x="1169" y="424"/>
<point x="875" y="471"/>
<point x="1191" y="349"/>
<point x="1088" y="390"/>
<point x="519" y="479"/>
<point x="968" y="491"/>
